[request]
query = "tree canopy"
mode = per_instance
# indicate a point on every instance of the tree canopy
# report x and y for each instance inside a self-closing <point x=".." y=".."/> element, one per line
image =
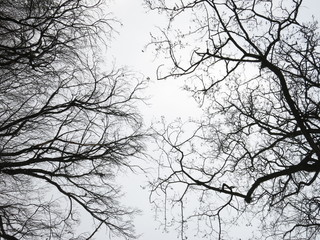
<point x="253" y="66"/>
<point x="68" y="121"/>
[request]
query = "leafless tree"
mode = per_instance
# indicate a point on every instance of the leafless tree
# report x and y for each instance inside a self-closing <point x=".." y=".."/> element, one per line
<point x="68" y="122"/>
<point x="254" y="67"/>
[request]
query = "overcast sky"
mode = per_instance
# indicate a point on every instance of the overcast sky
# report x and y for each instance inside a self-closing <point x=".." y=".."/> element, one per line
<point x="128" y="48"/>
<point x="167" y="99"/>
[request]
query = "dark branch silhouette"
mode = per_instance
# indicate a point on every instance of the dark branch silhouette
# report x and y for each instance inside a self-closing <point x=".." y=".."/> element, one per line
<point x="254" y="69"/>
<point x="68" y="122"/>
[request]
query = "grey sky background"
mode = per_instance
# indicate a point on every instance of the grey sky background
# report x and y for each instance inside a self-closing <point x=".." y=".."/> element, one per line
<point x="167" y="99"/>
<point x="129" y="49"/>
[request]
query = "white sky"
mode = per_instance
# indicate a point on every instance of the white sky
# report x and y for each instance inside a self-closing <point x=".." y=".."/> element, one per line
<point x="128" y="49"/>
<point x="167" y="100"/>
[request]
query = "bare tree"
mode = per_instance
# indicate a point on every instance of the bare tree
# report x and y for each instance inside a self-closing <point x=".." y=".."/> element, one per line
<point x="68" y="122"/>
<point x="254" y="68"/>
